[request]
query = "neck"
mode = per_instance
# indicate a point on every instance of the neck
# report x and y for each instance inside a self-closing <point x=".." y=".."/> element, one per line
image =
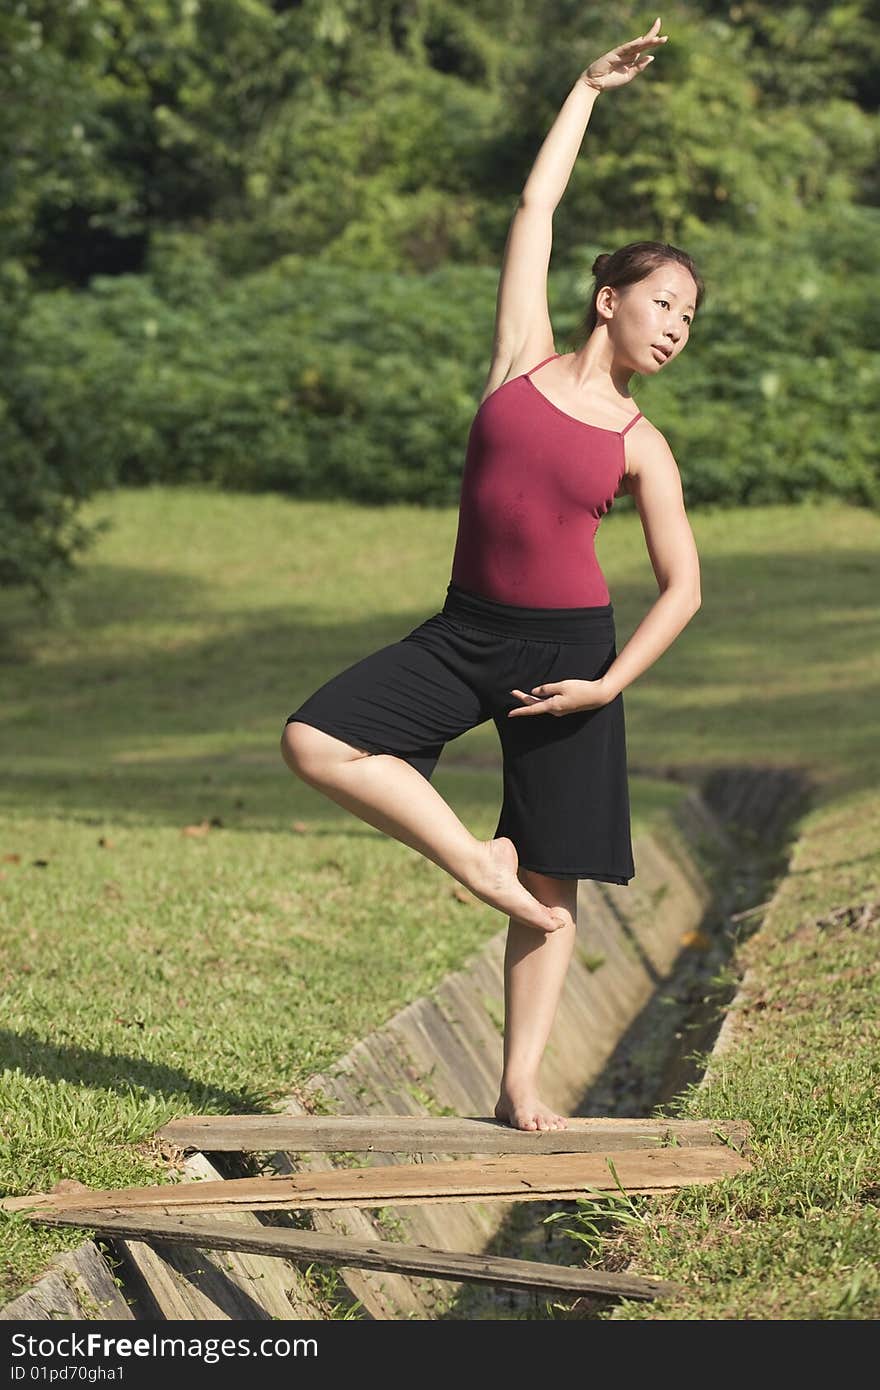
<point x="593" y="367"/>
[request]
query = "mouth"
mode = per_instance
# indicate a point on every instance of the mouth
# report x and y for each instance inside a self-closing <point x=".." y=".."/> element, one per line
<point x="663" y="353"/>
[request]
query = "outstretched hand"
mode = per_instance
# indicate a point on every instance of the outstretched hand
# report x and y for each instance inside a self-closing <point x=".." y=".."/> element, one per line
<point x="560" y="697"/>
<point x="620" y="65"/>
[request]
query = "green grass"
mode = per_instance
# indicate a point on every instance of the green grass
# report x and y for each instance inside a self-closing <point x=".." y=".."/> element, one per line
<point x="798" y="1236"/>
<point x="146" y="973"/>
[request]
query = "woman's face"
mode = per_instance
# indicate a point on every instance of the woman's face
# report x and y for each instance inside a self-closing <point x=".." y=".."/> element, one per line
<point x="651" y="320"/>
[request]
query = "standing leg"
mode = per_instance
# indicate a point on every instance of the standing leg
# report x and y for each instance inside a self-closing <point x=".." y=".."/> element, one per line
<point x="534" y="973"/>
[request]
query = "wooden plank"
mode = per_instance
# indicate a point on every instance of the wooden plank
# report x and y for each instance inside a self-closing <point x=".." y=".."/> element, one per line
<point x="307" y="1247"/>
<point x="77" y="1285"/>
<point x="386" y="1297"/>
<point x="535" y="1177"/>
<point x="437" y="1134"/>
<point x="175" y="1281"/>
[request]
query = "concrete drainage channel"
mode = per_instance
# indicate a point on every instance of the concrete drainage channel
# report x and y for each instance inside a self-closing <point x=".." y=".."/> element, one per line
<point x="641" y="998"/>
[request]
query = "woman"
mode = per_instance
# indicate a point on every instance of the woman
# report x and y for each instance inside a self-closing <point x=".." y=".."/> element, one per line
<point x="526" y="635"/>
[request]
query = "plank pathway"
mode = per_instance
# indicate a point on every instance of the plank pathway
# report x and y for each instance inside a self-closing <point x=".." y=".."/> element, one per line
<point x="590" y="1156"/>
<point x="309" y="1247"/>
<point x="446" y="1134"/>
<point x="529" y="1178"/>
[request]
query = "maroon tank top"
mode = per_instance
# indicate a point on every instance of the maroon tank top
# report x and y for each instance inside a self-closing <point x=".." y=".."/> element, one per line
<point x="535" y="486"/>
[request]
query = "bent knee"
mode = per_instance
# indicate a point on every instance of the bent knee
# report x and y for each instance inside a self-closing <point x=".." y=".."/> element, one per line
<point x="309" y="751"/>
<point x="301" y="748"/>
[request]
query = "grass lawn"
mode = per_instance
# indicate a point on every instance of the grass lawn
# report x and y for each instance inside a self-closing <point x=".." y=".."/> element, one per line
<point x="798" y="1237"/>
<point x="148" y="972"/>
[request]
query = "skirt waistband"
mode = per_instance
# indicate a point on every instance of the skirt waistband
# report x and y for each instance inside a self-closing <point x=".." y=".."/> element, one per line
<point x="541" y="624"/>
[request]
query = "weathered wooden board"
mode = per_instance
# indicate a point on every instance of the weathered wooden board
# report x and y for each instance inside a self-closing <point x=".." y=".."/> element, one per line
<point x="309" y="1247"/>
<point x="533" y="1177"/>
<point x="444" y="1134"/>
<point x="77" y="1285"/>
<point x="175" y="1281"/>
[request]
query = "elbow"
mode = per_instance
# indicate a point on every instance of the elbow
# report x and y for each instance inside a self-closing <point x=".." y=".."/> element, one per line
<point x="689" y="598"/>
<point x="532" y="198"/>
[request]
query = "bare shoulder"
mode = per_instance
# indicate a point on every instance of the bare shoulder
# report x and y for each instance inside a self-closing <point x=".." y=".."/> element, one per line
<point x="648" y="456"/>
<point x="655" y="484"/>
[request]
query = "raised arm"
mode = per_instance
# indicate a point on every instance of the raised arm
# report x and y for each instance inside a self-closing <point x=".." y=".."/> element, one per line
<point x="523" y="332"/>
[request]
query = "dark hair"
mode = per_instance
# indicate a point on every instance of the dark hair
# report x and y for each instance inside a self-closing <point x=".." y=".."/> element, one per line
<point x="629" y="264"/>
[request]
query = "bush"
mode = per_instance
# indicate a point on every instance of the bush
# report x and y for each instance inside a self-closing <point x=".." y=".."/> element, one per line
<point x="328" y="381"/>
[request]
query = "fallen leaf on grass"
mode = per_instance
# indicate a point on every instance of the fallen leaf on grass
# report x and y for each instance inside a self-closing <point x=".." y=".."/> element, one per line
<point x="204" y="827"/>
<point x="696" y="940"/>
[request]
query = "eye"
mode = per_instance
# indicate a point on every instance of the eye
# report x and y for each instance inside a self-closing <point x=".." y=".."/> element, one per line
<point x="686" y="317"/>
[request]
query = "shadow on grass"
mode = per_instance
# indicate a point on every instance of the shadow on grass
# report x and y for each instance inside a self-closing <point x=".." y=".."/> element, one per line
<point x="181" y="720"/>
<point x="118" y="1071"/>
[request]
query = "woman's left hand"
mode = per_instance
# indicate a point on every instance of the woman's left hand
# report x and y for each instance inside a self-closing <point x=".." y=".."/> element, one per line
<point x="621" y="65"/>
<point x="561" y="697"/>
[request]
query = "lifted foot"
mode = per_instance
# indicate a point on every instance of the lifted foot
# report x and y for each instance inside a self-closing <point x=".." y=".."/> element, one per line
<point x="496" y="883"/>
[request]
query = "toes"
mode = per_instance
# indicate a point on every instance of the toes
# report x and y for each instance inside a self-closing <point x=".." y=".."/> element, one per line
<point x="529" y="1119"/>
<point x="522" y="1119"/>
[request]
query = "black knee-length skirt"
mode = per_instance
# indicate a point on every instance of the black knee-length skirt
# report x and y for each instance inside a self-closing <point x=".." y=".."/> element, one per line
<point x="566" y="798"/>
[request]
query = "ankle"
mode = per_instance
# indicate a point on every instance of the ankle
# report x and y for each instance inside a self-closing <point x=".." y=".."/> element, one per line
<point x="478" y="865"/>
<point x="519" y="1083"/>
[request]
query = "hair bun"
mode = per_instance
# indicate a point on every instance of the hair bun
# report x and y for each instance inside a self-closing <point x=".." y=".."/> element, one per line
<point x="600" y="263"/>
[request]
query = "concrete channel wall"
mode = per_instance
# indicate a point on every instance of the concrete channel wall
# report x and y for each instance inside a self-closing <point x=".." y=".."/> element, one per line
<point x="442" y="1054"/>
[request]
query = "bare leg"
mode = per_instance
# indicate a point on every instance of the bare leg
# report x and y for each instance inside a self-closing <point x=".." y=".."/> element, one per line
<point x="534" y="972"/>
<point x="388" y="793"/>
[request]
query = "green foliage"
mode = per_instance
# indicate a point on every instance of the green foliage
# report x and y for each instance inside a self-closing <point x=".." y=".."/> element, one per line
<point x="328" y="381"/>
<point x="265" y="239"/>
<point x="392" y="138"/>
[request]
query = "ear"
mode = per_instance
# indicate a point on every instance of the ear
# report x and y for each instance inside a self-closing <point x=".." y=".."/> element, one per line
<point x="605" y="303"/>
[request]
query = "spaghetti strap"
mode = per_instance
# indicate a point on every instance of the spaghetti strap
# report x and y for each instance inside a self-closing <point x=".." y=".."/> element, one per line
<point x="637" y="416"/>
<point x="541" y="364"/>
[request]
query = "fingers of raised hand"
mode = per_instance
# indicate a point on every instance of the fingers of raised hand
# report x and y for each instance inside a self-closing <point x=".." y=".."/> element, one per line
<point x="537" y="704"/>
<point x="650" y="39"/>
